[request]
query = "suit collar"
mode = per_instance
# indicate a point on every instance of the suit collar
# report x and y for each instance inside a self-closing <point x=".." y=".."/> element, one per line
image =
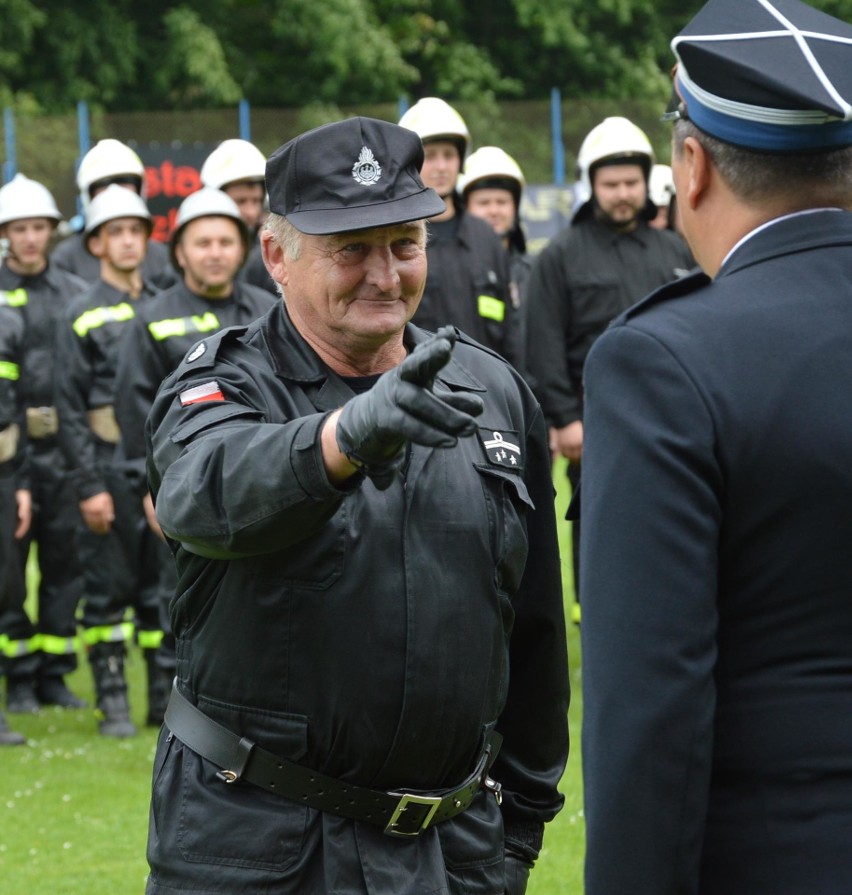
<point x="788" y="235"/>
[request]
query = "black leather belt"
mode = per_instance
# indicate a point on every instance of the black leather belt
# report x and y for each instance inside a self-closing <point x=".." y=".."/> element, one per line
<point x="399" y="813"/>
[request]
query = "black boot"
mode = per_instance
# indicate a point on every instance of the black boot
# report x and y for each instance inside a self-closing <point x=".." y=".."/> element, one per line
<point x="52" y="690"/>
<point x="159" y="687"/>
<point x="9" y="737"/>
<point x="21" y="695"/>
<point x="113" y="710"/>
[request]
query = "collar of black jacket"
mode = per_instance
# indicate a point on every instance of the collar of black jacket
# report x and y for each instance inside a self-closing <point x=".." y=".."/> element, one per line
<point x="295" y="360"/>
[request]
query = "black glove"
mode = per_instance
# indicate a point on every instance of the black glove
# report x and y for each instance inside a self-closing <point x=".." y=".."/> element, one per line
<point x="373" y="428"/>
<point x="517" y="874"/>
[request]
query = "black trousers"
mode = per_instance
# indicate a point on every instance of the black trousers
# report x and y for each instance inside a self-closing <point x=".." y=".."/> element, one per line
<point x="55" y="530"/>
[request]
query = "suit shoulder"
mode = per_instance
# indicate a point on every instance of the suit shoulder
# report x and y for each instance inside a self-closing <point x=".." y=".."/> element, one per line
<point x="688" y="285"/>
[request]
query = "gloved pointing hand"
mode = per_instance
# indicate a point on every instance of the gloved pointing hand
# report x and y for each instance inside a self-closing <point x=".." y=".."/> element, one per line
<point x="373" y="428"/>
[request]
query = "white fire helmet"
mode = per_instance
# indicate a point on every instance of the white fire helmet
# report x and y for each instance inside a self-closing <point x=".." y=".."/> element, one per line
<point x="613" y="140"/>
<point x="233" y="161"/>
<point x="108" y="160"/>
<point x="434" y="119"/>
<point x="661" y="188"/>
<point x="206" y="203"/>
<point x="492" y="166"/>
<point x="23" y="198"/>
<point x="113" y="203"/>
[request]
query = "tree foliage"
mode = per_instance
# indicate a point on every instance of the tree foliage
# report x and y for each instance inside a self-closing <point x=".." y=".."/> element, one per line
<point x="192" y="54"/>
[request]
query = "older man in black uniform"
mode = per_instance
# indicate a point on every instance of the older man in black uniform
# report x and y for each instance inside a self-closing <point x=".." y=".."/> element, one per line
<point x="363" y="524"/>
<point x="717" y="633"/>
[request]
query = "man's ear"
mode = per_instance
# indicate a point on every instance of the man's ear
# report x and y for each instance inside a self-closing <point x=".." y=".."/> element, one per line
<point x="697" y="163"/>
<point x="274" y="258"/>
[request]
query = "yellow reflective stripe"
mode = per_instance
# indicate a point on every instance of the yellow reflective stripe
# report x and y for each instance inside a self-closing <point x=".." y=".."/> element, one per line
<point x="491" y="307"/>
<point x="180" y="326"/>
<point x="59" y="646"/>
<point x="14" y="298"/>
<point x="95" y="317"/>
<point x="16" y="649"/>
<point x="149" y="639"/>
<point x="8" y="370"/>
<point x="108" y="634"/>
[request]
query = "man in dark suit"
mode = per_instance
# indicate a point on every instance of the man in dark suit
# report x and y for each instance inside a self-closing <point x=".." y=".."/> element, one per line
<point x="717" y="486"/>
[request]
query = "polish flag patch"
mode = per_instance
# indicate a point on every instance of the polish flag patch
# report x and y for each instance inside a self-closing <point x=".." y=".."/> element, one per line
<point x="208" y="391"/>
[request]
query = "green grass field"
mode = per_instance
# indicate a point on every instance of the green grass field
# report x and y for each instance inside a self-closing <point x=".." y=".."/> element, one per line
<point x="74" y="805"/>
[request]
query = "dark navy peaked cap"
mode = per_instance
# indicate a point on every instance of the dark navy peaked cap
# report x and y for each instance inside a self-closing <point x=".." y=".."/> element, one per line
<point x="769" y="75"/>
<point x="350" y="175"/>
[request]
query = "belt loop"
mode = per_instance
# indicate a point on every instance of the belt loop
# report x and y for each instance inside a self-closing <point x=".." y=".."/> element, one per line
<point x="231" y="775"/>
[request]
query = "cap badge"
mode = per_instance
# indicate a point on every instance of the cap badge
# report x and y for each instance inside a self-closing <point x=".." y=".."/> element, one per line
<point x="367" y="170"/>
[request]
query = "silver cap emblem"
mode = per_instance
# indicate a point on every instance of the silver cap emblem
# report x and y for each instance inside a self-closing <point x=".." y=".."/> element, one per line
<point x="367" y="170"/>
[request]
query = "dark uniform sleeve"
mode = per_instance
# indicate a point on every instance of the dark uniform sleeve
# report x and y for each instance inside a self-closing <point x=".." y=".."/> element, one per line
<point x="651" y="515"/>
<point x="140" y="371"/>
<point x="73" y="380"/>
<point x="548" y="324"/>
<point x="534" y="723"/>
<point x="11" y="369"/>
<point x="226" y="482"/>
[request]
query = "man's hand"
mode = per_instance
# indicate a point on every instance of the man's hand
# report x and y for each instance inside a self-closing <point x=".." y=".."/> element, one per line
<point x="151" y="515"/>
<point x="372" y="429"/>
<point x="24" y="501"/>
<point x="98" y="512"/>
<point x="568" y="441"/>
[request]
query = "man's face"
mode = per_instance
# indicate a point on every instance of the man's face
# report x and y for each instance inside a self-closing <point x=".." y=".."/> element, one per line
<point x="352" y="291"/>
<point x="495" y="206"/>
<point x="621" y="192"/>
<point x="441" y="166"/>
<point x="249" y="199"/>
<point x="121" y="243"/>
<point x="210" y="251"/>
<point x="28" y="240"/>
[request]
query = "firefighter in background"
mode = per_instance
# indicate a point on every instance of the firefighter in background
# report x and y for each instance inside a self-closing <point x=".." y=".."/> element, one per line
<point x="661" y="191"/>
<point x="117" y="548"/>
<point x="603" y="262"/>
<point x="15" y="498"/>
<point x="107" y="162"/>
<point x="40" y="655"/>
<point x="467" y="284"/>
<point x="209" y="244"/>
<point x="491" y="186"/>
<point x="238" y="168"/>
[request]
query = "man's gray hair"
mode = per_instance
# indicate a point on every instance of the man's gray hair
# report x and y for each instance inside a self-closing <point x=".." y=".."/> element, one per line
<point x="811" y="180"/>
<point x="285" y="235"/>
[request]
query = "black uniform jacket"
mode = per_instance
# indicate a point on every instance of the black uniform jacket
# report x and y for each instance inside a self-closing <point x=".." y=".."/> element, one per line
<point x="88" y="344"/>
<point x="368" y="634"/>
<point x="467" y="285"/>
<point x="42" y="300"/>
<point x="161" y="333"/>
<point x="717" y="617"/>
<point x="11" y="405"/>
<point x="585" y="276"/>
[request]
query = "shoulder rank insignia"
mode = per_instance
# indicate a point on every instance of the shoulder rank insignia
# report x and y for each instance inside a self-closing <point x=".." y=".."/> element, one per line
<point x="196" y="352"/>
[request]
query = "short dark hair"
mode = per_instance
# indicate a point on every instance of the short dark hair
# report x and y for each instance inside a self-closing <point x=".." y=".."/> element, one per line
<point x="812" y="179"/>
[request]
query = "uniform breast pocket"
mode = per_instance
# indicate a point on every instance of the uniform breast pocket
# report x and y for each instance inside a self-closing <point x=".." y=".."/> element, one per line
<point x="508" y="503"/>
<point x="596" y="301"/>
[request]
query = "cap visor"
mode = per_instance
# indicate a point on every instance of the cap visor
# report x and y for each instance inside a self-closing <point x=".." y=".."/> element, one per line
<point x="318" y="222"/>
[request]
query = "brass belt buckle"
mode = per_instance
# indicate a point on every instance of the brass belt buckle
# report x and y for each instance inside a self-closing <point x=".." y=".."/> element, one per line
<point x="405" y="799"/>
